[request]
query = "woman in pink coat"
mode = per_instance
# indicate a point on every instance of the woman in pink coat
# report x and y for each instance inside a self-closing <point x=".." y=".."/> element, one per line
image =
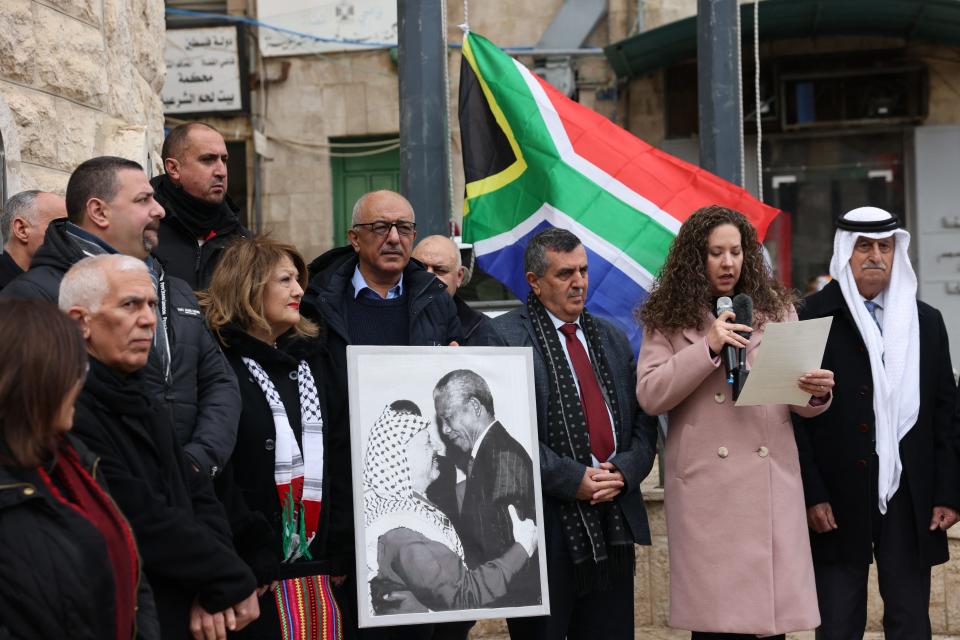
<point x="736" y="523"/>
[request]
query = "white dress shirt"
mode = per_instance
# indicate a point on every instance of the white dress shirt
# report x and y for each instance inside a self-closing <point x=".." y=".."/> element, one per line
<point x="360" y="286"/>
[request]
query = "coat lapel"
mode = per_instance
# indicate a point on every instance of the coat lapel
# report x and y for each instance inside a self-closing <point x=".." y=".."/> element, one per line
<point x="528" y="327"/>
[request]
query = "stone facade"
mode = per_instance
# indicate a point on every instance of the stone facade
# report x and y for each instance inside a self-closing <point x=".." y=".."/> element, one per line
<point x="78" y="78"/>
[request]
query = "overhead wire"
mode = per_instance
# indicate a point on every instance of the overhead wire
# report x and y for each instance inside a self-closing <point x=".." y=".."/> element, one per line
<point x="756" y="89"/>
<point x="521" y="50"/>
<point x="743" y="161"/>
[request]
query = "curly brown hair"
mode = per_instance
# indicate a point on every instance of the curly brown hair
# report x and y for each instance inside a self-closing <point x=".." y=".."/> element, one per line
<point x="681" y="296"/>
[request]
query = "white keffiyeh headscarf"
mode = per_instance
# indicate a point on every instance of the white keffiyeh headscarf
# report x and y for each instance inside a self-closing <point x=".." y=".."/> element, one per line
<point x="894" y="354"/>
<point x="389" y="500"/>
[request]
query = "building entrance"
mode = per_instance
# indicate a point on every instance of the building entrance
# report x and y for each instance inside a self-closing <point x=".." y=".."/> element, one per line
<point x="814" y="180"/>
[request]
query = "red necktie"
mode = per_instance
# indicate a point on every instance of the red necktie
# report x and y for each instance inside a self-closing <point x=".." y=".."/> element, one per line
<point x="594" y="406"/>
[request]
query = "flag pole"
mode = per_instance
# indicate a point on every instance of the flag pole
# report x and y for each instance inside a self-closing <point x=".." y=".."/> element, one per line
<point x="718" y="87"/>
<point x="424" y="129"/>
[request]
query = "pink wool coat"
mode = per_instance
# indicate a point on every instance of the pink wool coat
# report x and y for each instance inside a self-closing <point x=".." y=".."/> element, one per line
<point x="736" y="520"/>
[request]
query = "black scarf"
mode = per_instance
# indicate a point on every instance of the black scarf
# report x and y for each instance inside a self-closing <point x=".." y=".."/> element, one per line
<point x="199" y="217"/>
<point x="598" y="538"/>
<point x="123" y="393"/>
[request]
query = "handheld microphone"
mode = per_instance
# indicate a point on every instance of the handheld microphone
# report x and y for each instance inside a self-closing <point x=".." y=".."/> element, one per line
<point x="743" y="307"/>
<point x="729" y="352"/>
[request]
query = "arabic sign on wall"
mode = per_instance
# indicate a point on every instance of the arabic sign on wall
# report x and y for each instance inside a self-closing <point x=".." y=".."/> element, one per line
<point x="361" y="21"/>
<point x="203" y="71"/>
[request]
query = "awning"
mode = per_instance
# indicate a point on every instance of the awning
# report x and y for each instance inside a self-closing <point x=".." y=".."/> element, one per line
<point x="928" y="20"/>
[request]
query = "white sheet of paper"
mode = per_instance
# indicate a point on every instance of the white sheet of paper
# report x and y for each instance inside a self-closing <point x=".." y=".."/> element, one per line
<point x="788" y="350"/>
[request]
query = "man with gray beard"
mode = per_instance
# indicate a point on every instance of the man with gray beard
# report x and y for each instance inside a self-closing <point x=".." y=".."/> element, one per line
<point x="111" y="210"/>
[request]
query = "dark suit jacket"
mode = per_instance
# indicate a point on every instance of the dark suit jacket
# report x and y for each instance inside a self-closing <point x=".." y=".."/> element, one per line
<point x="837" y="446"/>
<point x="636" y="435"/>
<point x="501" y="475"/>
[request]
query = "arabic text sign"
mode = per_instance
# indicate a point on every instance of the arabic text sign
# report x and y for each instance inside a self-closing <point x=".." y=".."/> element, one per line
<point x="337" y="25"/>
<point x="203" y="70"/>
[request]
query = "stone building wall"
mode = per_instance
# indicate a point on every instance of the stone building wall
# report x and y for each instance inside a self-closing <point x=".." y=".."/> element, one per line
<point x="78" y="78"/>
<point x="323" y="97"/>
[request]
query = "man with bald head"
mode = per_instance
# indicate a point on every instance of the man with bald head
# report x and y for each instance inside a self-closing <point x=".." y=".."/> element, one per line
<point x="23" y="222"/>
<point x="370" y="293"/>
<point x="201" y="219"/>
<point x="441" y="256"/>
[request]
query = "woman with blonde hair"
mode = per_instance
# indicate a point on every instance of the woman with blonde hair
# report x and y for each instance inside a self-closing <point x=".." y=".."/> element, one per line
<point x="740" y="563"/>
<point x="273" y="486"/>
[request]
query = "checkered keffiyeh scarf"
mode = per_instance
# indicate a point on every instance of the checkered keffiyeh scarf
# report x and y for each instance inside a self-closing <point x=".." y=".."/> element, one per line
<point x="597" y="536"/>
<point x="298" y="474"/>
<point x="388" y="496"/>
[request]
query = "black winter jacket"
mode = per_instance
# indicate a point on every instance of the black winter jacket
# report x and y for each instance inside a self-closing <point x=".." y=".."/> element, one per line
<point x="247" y="484"/>
<point x="837" y="459"/>
<point x="180" y="526"/>
<point x="433" y="321"/>
<point x="201" y="395"/>
<point x="8" y="270"/>
<point x="476" y="330"/>
<point x="56" y="579"/>
<point x="184" y="257"/>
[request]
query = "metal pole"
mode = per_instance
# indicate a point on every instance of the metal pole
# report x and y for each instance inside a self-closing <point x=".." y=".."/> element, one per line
<point x="424" y="130"/>
<point x="718" y="61"/>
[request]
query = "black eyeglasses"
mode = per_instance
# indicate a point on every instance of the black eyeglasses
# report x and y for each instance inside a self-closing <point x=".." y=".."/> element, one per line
<point x="382" y="227"/>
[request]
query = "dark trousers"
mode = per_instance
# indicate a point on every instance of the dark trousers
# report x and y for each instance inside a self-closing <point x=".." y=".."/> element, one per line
<point x="904" y="581"/>
<point x="601" y="614"/>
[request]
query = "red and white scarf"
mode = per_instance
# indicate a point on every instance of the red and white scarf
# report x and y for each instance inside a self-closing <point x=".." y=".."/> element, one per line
<point x="298" y="475"/>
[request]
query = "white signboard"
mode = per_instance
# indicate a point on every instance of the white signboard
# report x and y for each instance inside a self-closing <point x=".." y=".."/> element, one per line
<point x="203" y="71"/>
<point x="337" y="25"/>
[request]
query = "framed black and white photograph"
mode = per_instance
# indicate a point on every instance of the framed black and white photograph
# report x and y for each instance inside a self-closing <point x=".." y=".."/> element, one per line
<point x="446" y="484"/>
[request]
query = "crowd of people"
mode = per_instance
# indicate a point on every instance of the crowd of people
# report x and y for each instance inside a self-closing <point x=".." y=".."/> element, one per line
<point x="175" y="449"/>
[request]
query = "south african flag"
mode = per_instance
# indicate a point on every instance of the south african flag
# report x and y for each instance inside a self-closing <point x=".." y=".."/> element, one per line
<point x="533" y="158"/>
